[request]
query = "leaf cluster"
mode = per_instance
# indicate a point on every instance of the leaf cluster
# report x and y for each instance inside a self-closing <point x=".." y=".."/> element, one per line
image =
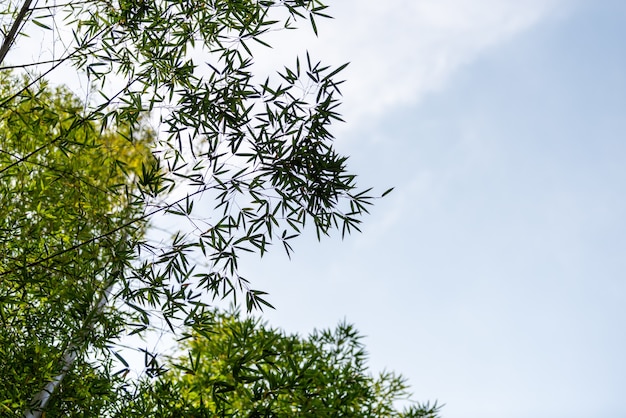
<point x="176" y="121"/>
<point x="54" y="202"/>
<point x="239" y="367"/>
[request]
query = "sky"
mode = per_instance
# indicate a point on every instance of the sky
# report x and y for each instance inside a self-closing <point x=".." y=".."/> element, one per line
<point x="493" y="276"/>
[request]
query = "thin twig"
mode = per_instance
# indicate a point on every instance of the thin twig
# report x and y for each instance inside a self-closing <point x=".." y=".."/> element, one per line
<point x="106" y="234"/>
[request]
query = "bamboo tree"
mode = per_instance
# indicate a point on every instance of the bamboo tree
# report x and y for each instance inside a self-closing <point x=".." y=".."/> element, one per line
<point x="53" y="313"/>
<point x="236" y="366"/>
<point x="176" y="77"/>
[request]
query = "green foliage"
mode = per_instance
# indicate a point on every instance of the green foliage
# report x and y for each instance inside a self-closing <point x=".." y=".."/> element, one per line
<point x="243" y="368"/>
<point x="157" y="133"/>
<point x="260" y="150"/>
<point x="53" y="203"/>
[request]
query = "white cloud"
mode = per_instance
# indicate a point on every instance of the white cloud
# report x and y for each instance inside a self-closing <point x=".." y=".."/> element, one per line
<point x="402" y="49"/>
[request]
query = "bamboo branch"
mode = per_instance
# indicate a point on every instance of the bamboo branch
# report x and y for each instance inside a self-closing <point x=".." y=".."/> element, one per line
<point x="17" y="23"/>
<point x="108" y="233"/>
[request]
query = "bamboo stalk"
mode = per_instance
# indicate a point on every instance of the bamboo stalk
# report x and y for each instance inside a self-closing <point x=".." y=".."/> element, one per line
<point x="41" y="399"/>
<point x="10" y="37"/>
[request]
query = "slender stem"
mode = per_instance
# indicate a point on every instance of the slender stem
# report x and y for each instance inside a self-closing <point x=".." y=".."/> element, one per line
<point x="41" y="399"/>
<point x="10" y="38"/>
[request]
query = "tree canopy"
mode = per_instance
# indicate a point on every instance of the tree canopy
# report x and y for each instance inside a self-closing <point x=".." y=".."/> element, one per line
<point x="235" y="367"/>
<point x="54" y="275"/>
<point x="173" y="118"/>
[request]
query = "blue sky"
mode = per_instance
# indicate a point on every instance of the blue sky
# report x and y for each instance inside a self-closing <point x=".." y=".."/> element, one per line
<point x="493" y="276"/>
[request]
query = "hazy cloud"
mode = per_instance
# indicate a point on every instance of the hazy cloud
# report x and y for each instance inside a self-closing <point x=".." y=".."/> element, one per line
<point x="402" y="49"/>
